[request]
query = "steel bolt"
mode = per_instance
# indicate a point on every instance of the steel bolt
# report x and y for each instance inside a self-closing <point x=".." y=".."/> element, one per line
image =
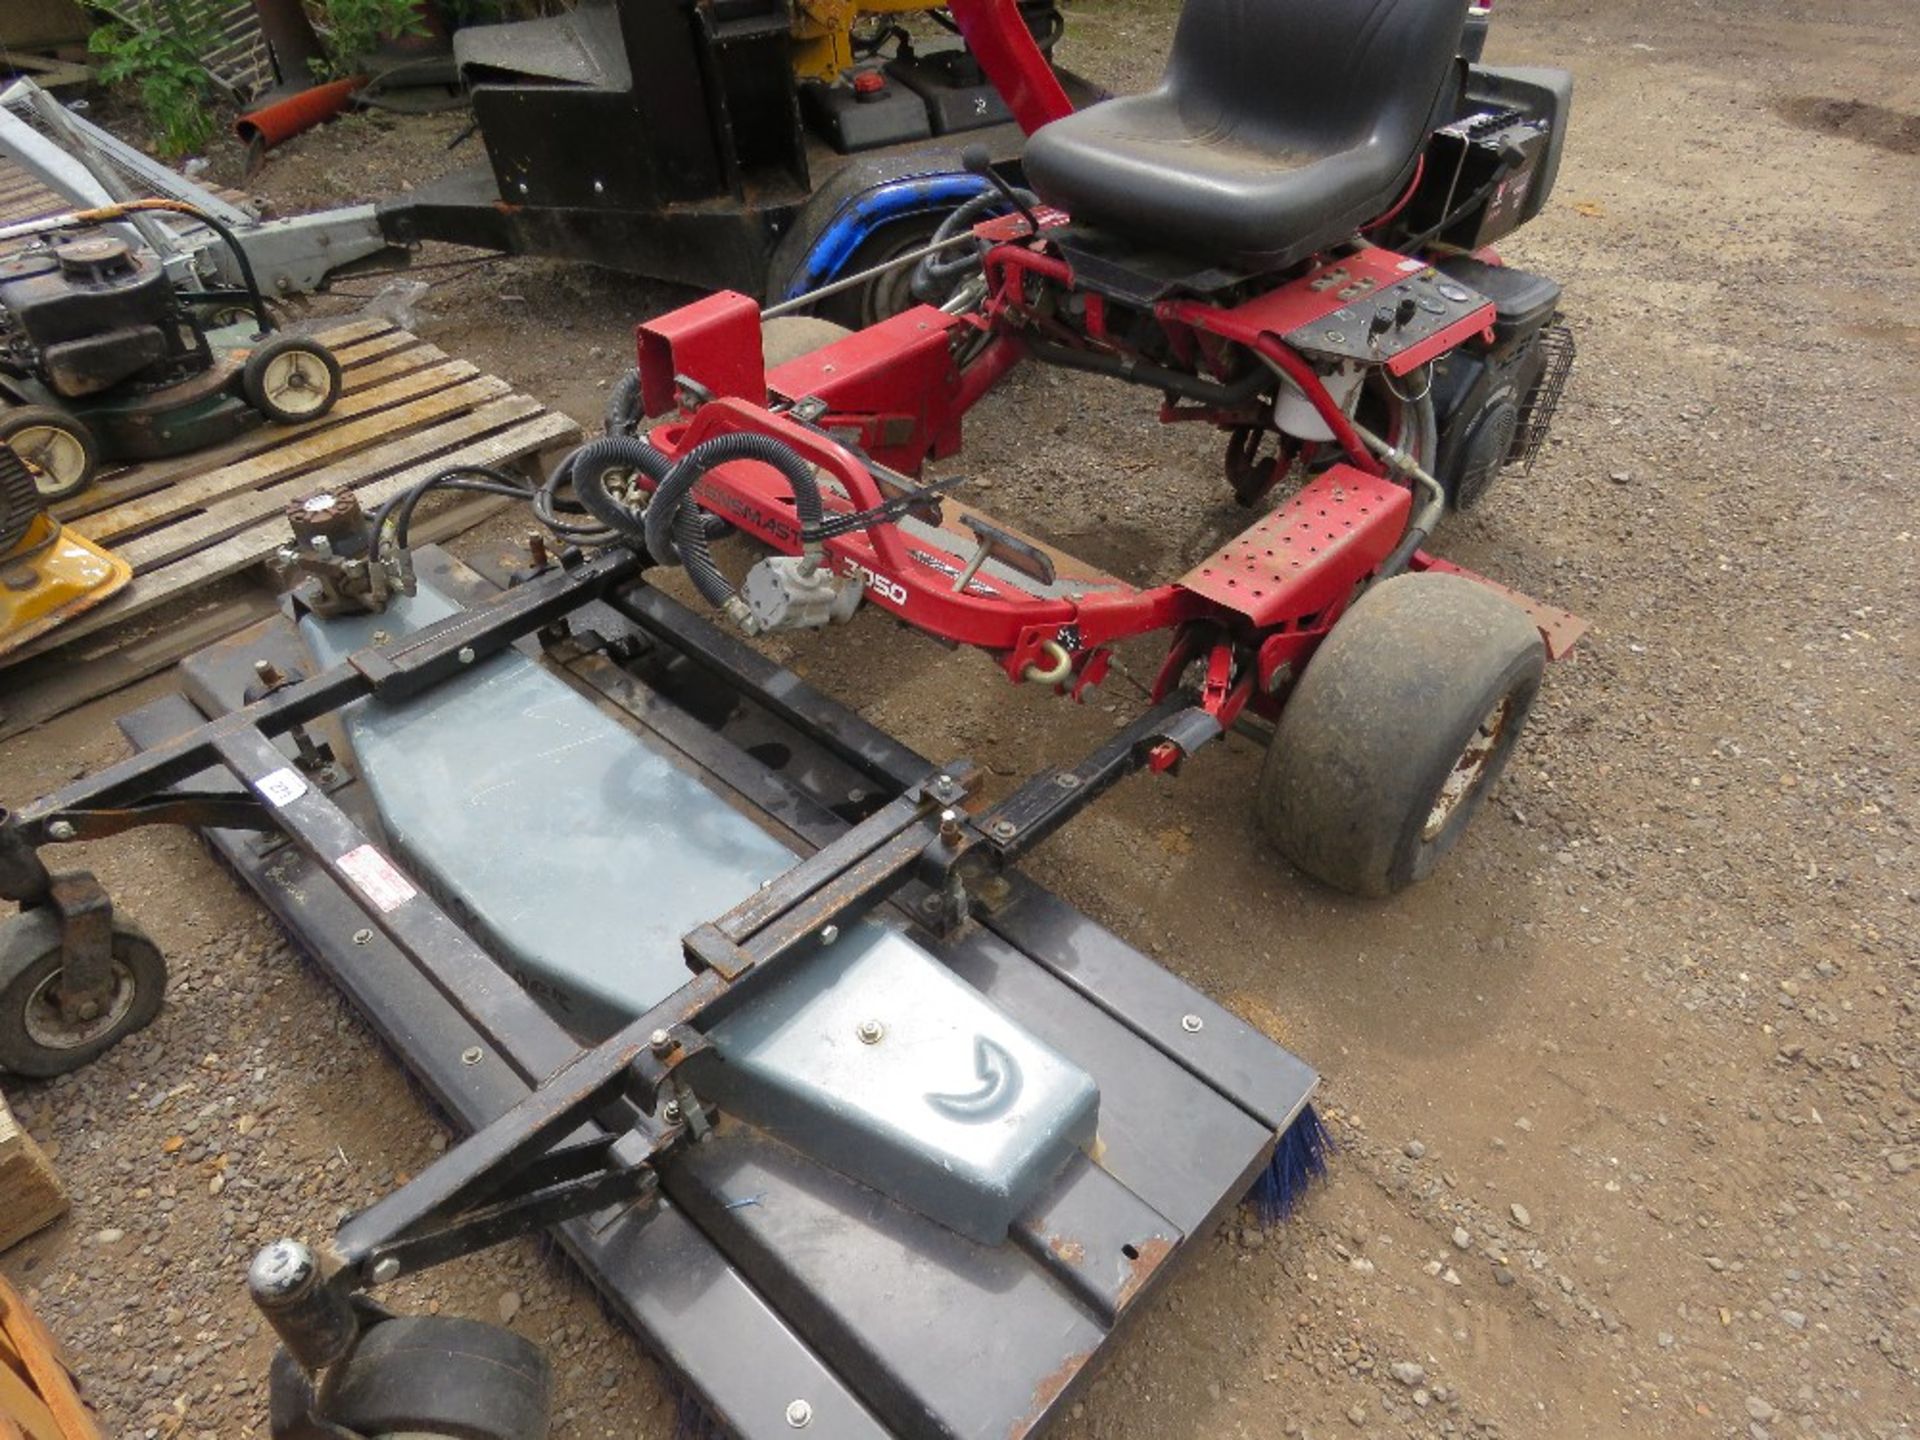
<point x="829" y="934"/>
<point x="1191" y="1024"/>
<point x="381" y="637"/>
<point x="464" y="655"/>
<point x="384" y="1269"/>
<point x="1067" y="780"/>
<point x="799" y="1414"/>
<point x="472" y="1055"/>
<point x="60" y="830"/>
<point x="671" y="1112"/>
<point x="1004" y="829"/>
<point x="363" y="937"/>
<point x="870" y="1031"/>
<point x="950" y="827"/>
<point x="268" y="672"/>
<point x="660" y="1042"/>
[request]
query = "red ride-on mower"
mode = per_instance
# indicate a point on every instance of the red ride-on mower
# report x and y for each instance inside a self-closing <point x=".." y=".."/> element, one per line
<point x="1288" y="240"/>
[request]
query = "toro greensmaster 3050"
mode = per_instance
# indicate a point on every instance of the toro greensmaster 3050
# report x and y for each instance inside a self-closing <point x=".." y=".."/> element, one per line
<point x="1287" y="240"/>
<point x="862" y="1131"/>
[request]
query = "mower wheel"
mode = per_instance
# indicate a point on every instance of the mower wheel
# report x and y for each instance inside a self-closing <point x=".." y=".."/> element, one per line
<point x="291" y="378"/>
<point x="788" y="337"/>
<point x="35" y="1038"/>
<point x="1401" y="724"/>
<point x="441" y="1378"/>
<point x="61" y="451"/>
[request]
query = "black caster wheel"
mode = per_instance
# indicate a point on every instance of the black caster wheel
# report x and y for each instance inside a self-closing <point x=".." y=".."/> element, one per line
<point x="36" y="1039"/>
<point x="291" y="379"/>
<point x="61" y="451"/>
<point x="1402" y="723"/>
<point x="424" y="1377"/>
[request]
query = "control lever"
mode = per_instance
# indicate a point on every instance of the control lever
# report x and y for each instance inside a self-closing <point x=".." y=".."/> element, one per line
<point x="976" y="161"/>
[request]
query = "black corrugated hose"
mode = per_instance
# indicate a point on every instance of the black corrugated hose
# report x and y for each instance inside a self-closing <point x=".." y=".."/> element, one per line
<point x="671" y="530"/>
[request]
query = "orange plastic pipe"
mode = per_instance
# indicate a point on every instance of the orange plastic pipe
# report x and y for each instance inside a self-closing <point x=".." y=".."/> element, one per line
<point x="282" y="119"/>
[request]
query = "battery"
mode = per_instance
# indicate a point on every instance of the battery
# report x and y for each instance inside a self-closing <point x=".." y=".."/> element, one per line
<point x="1471" y="195"/>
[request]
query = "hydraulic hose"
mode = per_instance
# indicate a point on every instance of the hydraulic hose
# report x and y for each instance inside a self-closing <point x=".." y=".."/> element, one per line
<point x="674" y="529"/>
<point x="587" y="468"/>
<point x="935" y="277"/>
<point x="1412" y="464"/>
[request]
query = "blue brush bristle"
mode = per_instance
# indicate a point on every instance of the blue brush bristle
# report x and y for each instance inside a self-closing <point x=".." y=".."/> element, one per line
<point x="1298" y="1157"/>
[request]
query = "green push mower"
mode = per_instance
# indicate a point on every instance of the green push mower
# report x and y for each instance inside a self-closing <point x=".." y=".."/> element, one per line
<point x="104" y="358"/>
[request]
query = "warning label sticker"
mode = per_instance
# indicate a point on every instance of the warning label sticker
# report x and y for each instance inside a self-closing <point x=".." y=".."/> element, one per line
<point x="376" y="878"/>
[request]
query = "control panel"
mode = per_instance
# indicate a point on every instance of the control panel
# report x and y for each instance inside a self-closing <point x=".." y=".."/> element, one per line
<point x="1379" y="323"/>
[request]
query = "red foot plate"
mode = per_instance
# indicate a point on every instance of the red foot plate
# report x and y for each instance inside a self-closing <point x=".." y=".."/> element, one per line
<point x="1310" y="552"/>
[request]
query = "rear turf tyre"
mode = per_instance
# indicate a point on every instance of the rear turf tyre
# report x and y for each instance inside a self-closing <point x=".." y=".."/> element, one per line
<point x="788" y="337"/>
<point x="62" y="452"/>
<point x="432" y="1375"/>
<point x="291" y="379"/>
<point x="886" y="295"/>
<point x="35" y="1038"/>
<point x="1402" y="723"/>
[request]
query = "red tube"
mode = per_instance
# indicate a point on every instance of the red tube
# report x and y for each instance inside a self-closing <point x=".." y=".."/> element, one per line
<point x="282" y="119"/>
<point x="1419" y="169"/>
<point x="1302" y="374"/>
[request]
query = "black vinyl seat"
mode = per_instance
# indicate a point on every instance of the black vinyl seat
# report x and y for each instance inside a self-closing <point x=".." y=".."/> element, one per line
<point x="1279" y="127"/>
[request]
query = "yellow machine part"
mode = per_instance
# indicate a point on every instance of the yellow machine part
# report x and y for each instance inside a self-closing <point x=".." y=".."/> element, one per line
<point x="823" y="32"/>
<point x="52" y="575"/>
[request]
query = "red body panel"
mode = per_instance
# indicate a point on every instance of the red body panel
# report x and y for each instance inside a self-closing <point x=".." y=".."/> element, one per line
<point x="714" y="342"/>
<point x="1301" y="560"/>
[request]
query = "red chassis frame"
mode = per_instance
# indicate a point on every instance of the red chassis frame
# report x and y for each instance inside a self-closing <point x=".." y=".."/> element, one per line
<point x="897" y="391"/>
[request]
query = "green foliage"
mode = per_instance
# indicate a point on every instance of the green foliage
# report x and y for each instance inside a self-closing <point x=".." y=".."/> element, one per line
<point x="161" y="58"/>
<point x="355" y="28"/>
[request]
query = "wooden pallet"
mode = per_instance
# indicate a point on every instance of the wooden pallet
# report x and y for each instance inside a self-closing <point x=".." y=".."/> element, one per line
<point x="408" y="412"/>
<point x="38" y="1397"/>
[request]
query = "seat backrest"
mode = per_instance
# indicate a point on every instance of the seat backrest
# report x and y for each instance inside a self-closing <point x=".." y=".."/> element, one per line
<point x="1315" y="76"/>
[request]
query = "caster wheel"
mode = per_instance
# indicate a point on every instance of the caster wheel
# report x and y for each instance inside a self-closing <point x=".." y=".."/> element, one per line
<point x="61" y="451"/>
<point x="35" y="1038"/>
<point x="428" y="1377"/>
<point x="1402" y="723"/>
<point x="291" y="379"/>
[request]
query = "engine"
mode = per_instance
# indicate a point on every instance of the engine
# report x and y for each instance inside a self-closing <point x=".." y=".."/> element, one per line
<point x="83" y="314"/>
<point x="1493" y="402"/>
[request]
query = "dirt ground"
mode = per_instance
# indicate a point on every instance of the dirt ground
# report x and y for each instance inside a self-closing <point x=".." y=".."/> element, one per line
<point x="1625" y="1098"/>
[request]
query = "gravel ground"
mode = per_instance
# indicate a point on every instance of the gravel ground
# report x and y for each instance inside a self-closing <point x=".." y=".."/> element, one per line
<point x="1625" y="1098"/>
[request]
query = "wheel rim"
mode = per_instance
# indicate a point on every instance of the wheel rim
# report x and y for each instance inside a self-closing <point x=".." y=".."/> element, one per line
<point x="50" y="1030"/>
<point x="1470" y="770"/>
<point x="295" y="382"/>
<point x="55" y="456"/>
